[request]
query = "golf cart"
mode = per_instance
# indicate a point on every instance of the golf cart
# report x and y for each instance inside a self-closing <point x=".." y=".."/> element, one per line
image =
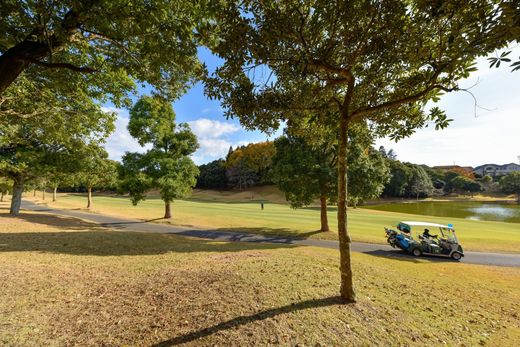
<point x="444" y="243"/>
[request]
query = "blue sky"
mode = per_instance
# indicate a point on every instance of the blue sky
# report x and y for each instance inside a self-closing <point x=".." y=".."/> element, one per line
<point x="491" y="134"/>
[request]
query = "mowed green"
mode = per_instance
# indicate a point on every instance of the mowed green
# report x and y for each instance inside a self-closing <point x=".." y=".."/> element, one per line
<point x="67" y="282"/>
<point x="227" y="211"/>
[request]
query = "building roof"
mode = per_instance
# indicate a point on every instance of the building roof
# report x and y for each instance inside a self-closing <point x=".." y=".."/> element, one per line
<point x="498" y="165"/>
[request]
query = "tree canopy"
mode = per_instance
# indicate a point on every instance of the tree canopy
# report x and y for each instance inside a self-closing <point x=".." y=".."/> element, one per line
<point x="511" y="184"/>
<point x="101" y="47"/>
<point x="49" y="142"/>
<point x="166" y="166"/>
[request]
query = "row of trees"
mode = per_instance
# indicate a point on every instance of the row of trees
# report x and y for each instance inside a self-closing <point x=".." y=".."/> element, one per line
<point x="65" y="150"/>
<point x="336" y="65"/>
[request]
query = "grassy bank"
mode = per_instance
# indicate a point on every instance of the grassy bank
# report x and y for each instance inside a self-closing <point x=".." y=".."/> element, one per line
<point x="68" y="282"/>
<point x="365" y="225"/>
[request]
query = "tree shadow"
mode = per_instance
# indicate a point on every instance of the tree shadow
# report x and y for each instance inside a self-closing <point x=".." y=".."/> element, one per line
<point x="403" y="256"/>
<point x="243" y="320"/>
<point x="79" y="237"/>
<point x="275" y="233"/>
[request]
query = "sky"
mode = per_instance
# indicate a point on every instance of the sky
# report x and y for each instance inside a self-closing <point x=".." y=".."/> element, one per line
<point x="489" y="133"/>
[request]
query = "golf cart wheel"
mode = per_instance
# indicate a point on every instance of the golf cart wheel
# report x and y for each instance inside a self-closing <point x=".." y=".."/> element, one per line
<point x="456" y="256"/>
<point x="416" y="252"/>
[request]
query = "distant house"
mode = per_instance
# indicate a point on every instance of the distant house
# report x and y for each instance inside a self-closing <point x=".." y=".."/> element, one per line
<point x="496" y="170"/>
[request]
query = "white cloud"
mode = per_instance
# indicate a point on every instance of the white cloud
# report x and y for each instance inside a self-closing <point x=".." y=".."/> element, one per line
<point x="120" y="141"/>
<point x="206" y="128"/>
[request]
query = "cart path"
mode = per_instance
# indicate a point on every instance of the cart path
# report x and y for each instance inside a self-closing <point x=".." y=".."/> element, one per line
<point x="497" y="259"/>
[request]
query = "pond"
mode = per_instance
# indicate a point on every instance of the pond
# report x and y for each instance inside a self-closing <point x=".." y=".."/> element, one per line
<point x="488" y="211"/>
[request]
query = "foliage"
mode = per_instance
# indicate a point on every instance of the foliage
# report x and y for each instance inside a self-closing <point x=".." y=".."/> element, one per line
<point x="449" y="176"/>
<point x="400" y="176"/>
<point x="511" y="29"/>
<point x="250" y="165"/>
<point x="166" y="166"/>
<point x="45" y="144"/>
<point x="101" y="47"/>
<point x="511" y="184"/>
<point x="212" y="175"/>
<point x="304" y="172"/>
<point x="420" y="183"/>
<point x="367" y="170"/>
<point x="94" y="168"/>
<point x="466" y="184"/>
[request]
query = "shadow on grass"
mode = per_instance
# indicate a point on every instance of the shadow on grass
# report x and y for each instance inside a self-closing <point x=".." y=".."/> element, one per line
<point x="243" y="320"/>
<point x="275" y="232"/>
<point x="84" y="238"/>
<point x="403" y="256"/>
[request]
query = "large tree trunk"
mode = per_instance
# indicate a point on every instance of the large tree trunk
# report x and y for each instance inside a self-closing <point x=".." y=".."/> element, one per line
<point x="347" y="286"/>
<point x="167" y="210"/>
<point x="54" y="191"/>
<point x="12" y="63"/>
<point x="89" y="197"/>
<point x="2" y="197"/>
<point x="43" y="194"/>
<point x="323" y="214"/>
<point x="16" y="200"/>
<point x="34" y="193"/>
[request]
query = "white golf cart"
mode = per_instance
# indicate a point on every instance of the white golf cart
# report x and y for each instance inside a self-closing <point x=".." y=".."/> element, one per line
<point x="418" y="238"/>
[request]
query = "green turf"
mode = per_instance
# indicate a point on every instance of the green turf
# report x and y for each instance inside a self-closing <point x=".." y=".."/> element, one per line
<point x="364" y="225"/>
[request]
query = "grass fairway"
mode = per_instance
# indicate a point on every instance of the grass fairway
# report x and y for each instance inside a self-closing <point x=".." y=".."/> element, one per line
<point x="232" y="212"/>
<point x="68" y="282"/>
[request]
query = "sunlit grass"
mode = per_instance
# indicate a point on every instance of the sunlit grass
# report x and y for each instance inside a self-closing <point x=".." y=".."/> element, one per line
<point x="69" y="282"/>
<point x="364" y="225"/>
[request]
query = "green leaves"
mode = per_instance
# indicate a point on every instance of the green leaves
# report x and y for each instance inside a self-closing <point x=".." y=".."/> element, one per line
<point x="495" y="61"/>
<point x="122" y="41"/>
<point x="166" y="166"/>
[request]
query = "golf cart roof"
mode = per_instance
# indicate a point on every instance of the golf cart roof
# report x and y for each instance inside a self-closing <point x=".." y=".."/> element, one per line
<point x="426" y="224"/>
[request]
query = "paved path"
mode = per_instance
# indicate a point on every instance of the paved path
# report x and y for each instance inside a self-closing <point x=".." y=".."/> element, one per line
<point x="498" y="259"/>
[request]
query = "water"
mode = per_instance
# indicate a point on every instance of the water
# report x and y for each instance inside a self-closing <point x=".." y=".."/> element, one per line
<point x="488" y="211"/>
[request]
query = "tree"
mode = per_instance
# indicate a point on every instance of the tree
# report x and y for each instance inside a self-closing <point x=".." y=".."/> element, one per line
<point x="304" y="166"/>
<point x="42" y="144"/>
<point x="420" y="183"/>
<point x="305" y="173"/>
<point x="100" y="47"/>
<point x="95" y="169"/>
<point x="511" y="184"/>
<point x="250" y="165"/>
<point x="449" y="177"/>
<point x="365" y="61"/>
<point x="212" y="175"/>
<point x="400" y="176"/>
<point x="367" y="169"/>
<point x="166" y="166"/>
<point x="466" y="184"/>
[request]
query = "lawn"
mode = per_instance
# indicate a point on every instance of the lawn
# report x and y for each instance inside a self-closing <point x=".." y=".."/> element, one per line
<point x="69" y="282"/>
<point x="231" y="212"/>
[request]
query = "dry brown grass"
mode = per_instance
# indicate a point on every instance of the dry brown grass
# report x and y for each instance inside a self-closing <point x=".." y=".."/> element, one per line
<point x="71" y="283"/>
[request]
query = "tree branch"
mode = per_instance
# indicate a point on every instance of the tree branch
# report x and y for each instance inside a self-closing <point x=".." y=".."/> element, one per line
<point x="396" y="103"/>
<point x="69" y="66"/>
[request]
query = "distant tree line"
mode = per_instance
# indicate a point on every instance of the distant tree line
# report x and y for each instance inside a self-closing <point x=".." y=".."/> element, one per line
<point x="243" y="167"/>
<point x="409" y="180"/>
